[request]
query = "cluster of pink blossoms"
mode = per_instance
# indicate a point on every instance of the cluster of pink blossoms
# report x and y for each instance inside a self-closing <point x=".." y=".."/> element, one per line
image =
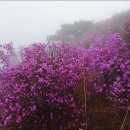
<point x="40" y="88"/>
<point x="39" y="92"/>
<point x="108" y="68"/>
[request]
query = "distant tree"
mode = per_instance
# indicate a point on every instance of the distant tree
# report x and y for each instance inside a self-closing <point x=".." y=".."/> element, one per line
<point x="74" y="31"/>
<point x="113" y="23"/>
<point x="70" y="32"/>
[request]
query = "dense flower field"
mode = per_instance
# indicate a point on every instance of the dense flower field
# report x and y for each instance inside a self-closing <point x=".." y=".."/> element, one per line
<point x="42" y="85"/>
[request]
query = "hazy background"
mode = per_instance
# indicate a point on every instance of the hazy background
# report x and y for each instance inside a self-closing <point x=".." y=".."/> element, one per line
<point x="24" y="22"/>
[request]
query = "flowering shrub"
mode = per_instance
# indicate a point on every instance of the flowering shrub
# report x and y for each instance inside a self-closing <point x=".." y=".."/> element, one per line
<point x="107" y="79"/>
<point x="111" y="65"/>
<point x="39" y="91"/>
<point x="44" y="90"/>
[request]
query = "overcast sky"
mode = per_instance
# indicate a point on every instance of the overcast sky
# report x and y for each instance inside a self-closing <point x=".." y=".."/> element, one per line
<point x="24" y="22"/>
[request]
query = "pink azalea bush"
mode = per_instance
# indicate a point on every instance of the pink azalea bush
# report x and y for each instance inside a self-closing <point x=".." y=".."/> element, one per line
<point x="108" y="68"/>
<point x="40" y="91"/>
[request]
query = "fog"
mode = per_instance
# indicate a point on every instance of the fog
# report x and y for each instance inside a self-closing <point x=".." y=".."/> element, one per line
<point x="25" y="22"/>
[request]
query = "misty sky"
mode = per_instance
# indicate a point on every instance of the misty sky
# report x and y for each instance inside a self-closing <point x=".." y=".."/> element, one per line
<point x="24" y="22"/>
